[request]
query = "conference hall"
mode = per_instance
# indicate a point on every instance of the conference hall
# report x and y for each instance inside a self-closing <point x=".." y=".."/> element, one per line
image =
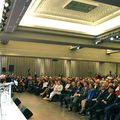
<point x="59" y="59"/>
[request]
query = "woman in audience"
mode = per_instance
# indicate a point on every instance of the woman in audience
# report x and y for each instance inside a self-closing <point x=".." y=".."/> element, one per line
<point x="56" y="91"/>
<point x="21" y="85"/>
<point x="91" y="94"/>
<point x="48" y="90"/>
<point x="94" y="94"/>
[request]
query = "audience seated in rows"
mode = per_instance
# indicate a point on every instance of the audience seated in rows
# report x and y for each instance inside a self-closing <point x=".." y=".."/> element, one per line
<point x="96" y="97"/>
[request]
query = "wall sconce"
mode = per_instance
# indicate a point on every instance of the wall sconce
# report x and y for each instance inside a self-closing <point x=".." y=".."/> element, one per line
<point x="74" y="48"/>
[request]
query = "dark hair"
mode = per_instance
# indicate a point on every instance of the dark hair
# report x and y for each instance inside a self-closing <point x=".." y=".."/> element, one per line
<point x="92" y="84"/>
<point x="112" y="87"/>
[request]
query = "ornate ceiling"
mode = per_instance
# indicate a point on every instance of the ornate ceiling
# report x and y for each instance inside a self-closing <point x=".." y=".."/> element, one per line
<point x="99" y="20"/>
<point x="49" y="21"/>
<point x="55" y="9"/>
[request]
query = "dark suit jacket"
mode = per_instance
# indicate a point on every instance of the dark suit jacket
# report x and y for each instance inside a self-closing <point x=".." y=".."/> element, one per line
<point x="102" y="95"/>
<point x="84" y="92"/>
<point x="73" y="90"/>
<point x="110" y="99"/>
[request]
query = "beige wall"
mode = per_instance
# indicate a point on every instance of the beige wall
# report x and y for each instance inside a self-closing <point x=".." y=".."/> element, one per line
<point x="53" y="67"/>
<point x="106" y="67"/>
<point x="118" y="69"/>
<point x="56" y="51"/>
<point x="48" y="66"/>
<point x="70" y="63"/>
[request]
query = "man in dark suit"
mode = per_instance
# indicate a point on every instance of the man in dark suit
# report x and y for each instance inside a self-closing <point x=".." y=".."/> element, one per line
<point x="82" y="95"/>
<point x="112" y="110"/>
<point x="101" y="96"/>
<point x="66" y="92"/>
<point x="75" y="96"/>
<point x="72" y="91"/>
<point x="109" y="100"/>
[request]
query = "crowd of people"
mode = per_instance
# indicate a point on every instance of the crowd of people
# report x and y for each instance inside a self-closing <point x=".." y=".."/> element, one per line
<point x="96" y="97"/>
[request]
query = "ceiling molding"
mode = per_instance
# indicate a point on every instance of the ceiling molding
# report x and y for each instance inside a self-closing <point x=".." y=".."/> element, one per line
<point x="52" y="31"/>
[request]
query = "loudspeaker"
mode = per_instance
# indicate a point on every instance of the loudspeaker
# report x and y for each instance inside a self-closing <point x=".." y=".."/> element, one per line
<point x="26" y="112"/>
<point x="11" y="68"/>
<point x="16" y="101"/>
<point x="3" y="69"/>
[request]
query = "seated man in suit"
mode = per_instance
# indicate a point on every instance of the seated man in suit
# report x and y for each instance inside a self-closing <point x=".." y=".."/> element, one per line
<point x="68" y="97"/>
<point x="101" y="96"/>
<point x="65" y="92"/>
<point x="112" y="110"/>
<point x="109" y="100"/>
<point x="79" y="96"/>
<point x="76" y="95"/>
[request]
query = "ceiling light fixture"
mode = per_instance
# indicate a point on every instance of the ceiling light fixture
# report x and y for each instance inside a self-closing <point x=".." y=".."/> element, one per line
<point x="7" y="3"/>
<point x="6" y="8"/>
<point x="4" y="17"/>
<point x="1" y="8"/>
<point x="98" y="41"/>
<point x="111" y="38"/>
<point x="117" y="36"/>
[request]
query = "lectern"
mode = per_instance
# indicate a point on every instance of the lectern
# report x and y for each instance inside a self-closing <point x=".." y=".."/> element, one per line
<point x="8" y="109"/>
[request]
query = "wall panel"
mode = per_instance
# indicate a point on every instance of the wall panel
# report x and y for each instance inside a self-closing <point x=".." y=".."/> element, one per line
<point x="53" y="67"/>
<point x="118" y="69"/>
<point x="106" y="67"/>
